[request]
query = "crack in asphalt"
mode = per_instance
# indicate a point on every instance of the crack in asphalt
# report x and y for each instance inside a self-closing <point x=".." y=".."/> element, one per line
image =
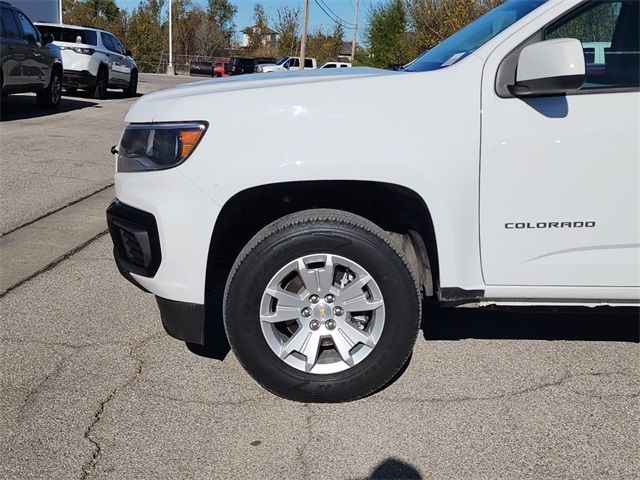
<point x="134" y="352"/>
<point x="524" y="391"/>
<point x="55" y="262"/>
<point x="302" y="450"/>
<point x="55" y="210"/>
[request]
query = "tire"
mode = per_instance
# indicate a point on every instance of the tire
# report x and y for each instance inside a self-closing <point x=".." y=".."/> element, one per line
<point x="132" y="89"/>
<point x="49" y="98"/>
<point x="375" y="281"/>
<point x="102" y="82"/>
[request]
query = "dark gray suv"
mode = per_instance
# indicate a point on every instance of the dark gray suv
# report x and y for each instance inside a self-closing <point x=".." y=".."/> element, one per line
<point x="29" y="61"/>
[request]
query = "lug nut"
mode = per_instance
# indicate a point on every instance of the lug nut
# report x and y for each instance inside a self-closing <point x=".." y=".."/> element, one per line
<point x="306" y="312"/>
<point x="329" y="298"/>
<point x="330" y="324"/>
<point x="338" y="311"/>
<point x="314" y="298"/>
<point x="314" y="324"/>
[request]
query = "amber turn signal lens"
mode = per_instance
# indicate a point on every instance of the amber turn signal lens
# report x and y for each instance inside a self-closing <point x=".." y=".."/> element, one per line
<point x="188" y="140"/>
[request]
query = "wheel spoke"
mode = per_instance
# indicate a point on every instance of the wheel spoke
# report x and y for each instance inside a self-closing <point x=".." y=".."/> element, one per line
<point x="317" y="280"/>
<point x="295" y="343"/>
<point x="282" y="314"/>
<point x="354" y="289"/>
<point x="286" y="299"/>
<point x="304" y="342"/>
<point x="355" y="336"/>
<point x="361" y="304"/>
<point x="310" y="350"/>
<point x="343" y="345"/>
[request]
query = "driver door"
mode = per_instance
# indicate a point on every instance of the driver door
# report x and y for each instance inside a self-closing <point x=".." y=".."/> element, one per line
<point x="560" y="175"/>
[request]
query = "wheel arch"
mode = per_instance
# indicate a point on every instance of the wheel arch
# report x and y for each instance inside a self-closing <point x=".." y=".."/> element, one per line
<point x="399" y="210"/>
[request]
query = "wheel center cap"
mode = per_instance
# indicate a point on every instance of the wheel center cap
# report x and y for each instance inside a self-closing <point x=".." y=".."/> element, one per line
<point x="322" y="311"/>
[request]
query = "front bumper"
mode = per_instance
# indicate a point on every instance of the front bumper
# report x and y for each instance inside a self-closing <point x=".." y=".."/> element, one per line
<point x="136" y="249"/>
<point x="78" y="79"/>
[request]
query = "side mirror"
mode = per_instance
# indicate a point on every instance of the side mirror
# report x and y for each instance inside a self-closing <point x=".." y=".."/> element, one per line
<point x="47" y="38"/>
<point x="552" y="67"/>
<point x="128" y="52"/>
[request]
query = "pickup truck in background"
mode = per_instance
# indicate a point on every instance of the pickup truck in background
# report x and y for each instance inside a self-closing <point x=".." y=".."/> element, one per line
<point x="498" y="168"/>
<point x="287" y="63"/>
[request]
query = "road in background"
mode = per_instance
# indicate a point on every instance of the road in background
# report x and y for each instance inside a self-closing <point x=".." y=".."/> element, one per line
<point x="50" y="159"/>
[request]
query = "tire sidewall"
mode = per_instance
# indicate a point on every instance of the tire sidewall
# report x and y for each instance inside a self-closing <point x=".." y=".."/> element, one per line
<point x="245" y="291"/>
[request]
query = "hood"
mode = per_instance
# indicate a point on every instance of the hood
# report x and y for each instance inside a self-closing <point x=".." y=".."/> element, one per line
<point x="149" y="105"/>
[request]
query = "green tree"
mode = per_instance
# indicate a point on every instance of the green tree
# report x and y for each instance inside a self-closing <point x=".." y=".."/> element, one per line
<point x="387" y="34"/>
<point x="145" y="34"/>
<point x="286" y="24"/>
<point x="222" y="13"/>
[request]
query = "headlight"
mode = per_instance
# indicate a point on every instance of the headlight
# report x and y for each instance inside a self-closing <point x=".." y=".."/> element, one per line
<point x="157" y="146"/>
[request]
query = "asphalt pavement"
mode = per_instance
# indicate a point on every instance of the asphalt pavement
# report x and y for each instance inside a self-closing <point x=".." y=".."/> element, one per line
<point x="92" y="387"/>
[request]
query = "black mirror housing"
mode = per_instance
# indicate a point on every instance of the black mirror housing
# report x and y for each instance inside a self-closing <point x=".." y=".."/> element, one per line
<point x="128" y="52"/>
<point x="47" y="38"/>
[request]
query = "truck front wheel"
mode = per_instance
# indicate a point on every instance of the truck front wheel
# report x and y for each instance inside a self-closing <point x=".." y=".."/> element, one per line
<point x="321" y="306"/>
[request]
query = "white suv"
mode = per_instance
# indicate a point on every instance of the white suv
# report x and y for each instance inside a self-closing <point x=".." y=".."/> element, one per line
<point x="93" y="59"/>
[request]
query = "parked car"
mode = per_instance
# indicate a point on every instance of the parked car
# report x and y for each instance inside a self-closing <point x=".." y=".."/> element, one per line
<point x="492" y="170"/>
<point x="242" y="65"/>
<point x="220" y="69"/>
<point x="29" y="62"/>
<point x="335" y="65"/>
<point x="93" y="59"/>
<point x="201" y="68"/>
<point x="285" y="63"/>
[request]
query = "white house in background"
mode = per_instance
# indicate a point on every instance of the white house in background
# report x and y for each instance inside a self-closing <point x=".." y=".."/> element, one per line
<point x="266" y="35"/>
<point x="49" y="11"/>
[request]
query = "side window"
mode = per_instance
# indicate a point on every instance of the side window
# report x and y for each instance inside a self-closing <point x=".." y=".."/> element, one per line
<point x="9" y="24"/>
<point x="116" y="45"/>
<point x="106" y="41"/>
<point x="610" y="36"/>
<point x="308" y="63"/>
<point x="26" y="27"/>
<point x="294" y="62"/>
<point x="330" y="65"/>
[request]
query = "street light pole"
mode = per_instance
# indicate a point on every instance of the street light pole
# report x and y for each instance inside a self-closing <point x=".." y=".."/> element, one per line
<point x="170" y="70"/>
<point x="303" y="40"/>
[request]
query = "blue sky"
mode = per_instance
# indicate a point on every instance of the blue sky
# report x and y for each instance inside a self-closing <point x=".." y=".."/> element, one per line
<point x="317" y="18"/>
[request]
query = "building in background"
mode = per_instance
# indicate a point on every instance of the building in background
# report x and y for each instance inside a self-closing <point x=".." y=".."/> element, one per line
<point x="264" y="35"/>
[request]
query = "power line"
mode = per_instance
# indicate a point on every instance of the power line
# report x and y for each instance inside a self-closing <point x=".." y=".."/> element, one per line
<point x="338" y="21"/>
<point x="335" y="14"/>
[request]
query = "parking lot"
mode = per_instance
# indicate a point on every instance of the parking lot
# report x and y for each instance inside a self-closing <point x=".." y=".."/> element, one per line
<point x="92" y="386"/>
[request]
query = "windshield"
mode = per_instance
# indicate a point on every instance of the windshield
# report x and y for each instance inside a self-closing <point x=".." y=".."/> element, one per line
<point x="473" y="36"/>
<point x="282" y="60"/>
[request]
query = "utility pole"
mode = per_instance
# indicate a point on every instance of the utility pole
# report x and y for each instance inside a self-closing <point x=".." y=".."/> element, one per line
<point x="355" y="31"/>
<point x="60" y="10"/>
<point x="170" y="70"/>
<point x="303" y="40"/>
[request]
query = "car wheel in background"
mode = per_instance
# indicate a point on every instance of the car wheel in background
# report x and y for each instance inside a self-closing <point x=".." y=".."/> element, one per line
<point x="100" y="89"/>
<point x="51" y="96"/>
<point x="132" y="89"/>
<point x="321" y="306"/>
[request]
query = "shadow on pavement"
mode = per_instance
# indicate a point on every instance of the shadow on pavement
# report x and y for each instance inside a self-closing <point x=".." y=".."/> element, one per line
<point x="394" y="469"/>
<point x="19" y="107"/>
<point x="619" y="324"/>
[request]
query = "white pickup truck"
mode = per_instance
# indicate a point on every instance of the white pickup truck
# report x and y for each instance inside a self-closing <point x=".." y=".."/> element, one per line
<point x="286" y="63"/>
<point x="498" y="168"/>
